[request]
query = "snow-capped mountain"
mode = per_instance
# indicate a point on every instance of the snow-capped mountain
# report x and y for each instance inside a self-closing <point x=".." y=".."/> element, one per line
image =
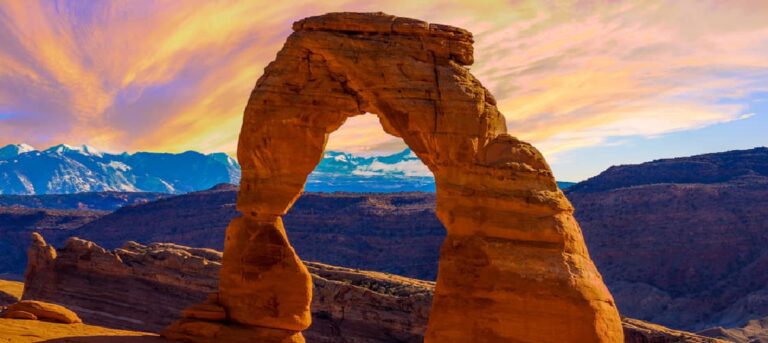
<point x="343" y="172"/>
<point x="73" y="169"/>
<point x="400" y="172"/>
<point x="65" y="169"/>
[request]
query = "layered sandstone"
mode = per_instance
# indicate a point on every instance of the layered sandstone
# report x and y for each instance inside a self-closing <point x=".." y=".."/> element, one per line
<point x="396" y="233"/>
<point x="40" y="310"/>
<point x="513" y="265"/>
<point x="146" y="287"/>
<point x="681" y="242"/>
<point x="143" y="288"/>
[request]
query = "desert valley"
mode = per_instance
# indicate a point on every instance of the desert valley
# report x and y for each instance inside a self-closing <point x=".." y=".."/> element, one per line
<point x="460" y="233"/>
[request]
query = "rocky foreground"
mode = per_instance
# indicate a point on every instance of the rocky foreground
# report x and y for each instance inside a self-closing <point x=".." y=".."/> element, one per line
<point x="145" y="287"/>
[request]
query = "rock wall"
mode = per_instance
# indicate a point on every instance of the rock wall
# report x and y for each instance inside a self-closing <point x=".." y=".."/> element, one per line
<point x="514" y="264"/>
<point x="681" y="242"/>
<point x="147" y="286"/>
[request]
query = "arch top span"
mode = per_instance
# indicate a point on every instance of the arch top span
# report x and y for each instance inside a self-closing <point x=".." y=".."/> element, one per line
<point x="514" y="266"/>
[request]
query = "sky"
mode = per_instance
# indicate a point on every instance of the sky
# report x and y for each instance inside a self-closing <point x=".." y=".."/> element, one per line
<point x="590" y="83"/>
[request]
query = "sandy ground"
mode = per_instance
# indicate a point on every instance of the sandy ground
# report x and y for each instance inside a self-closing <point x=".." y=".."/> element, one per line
<point x="22" y="331"/>
<point x="15" y="330"/>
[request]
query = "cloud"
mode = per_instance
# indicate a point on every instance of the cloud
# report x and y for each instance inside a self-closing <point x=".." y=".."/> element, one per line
<point x="171" y="76"/>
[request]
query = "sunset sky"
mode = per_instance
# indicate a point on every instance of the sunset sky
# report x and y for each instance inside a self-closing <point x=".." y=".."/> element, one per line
<point x="590" y="83"/>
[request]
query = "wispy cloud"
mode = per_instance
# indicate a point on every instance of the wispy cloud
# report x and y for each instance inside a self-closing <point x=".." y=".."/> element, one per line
<point x="170" y="75"/>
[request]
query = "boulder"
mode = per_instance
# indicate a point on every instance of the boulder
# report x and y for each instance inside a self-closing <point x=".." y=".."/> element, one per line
<point x="19" y="315"/>
<point x="43" y="311"/>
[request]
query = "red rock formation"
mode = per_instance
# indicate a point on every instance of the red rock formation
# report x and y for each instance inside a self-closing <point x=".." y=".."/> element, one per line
<point x="514" y="264"/>
<point x="145" y="286"/>
<point x="681" y="242"/>
<point x="136" y="287"/>
<point x="31" y="309"/>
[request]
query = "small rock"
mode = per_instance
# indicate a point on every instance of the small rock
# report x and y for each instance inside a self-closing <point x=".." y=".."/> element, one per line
<point x="46" y="311"/>
<point x="19" y="315"/>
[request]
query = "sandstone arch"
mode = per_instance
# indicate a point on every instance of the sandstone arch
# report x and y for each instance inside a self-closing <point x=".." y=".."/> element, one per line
<point x="513" y="268"/>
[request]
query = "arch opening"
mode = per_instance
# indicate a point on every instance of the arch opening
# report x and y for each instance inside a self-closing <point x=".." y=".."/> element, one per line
<point x="513" y="266"/>
<point x="373" y="212"/>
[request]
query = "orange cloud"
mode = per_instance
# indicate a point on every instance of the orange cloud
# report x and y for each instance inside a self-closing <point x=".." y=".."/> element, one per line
<point x="172" y="76"/>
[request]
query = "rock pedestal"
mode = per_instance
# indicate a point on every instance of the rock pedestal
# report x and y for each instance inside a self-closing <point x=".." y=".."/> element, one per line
<point x="513" y="268"/>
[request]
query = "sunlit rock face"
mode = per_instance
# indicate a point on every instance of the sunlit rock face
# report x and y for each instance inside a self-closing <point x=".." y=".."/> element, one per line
<point x="513" y="268"/>
<point x="146" y="287"/>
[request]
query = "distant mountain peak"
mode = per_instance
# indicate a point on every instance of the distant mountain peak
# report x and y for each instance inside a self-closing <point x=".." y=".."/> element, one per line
<point x="711" y="168"/>
<point x="63" y="169"/>
<point x="14" y="150"/>
<point x="84" y="149"/>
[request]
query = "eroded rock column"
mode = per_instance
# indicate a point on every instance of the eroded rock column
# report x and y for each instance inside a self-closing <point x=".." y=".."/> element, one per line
<point x="514" y="266"/>
<point x="514" y="260"/>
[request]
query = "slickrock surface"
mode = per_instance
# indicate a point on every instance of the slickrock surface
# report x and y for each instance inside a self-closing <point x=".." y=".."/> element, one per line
<point x="39" y="310"/>
<point x="514" y="264"/>
<point x="10" y="292"/>
<point x="682" y="242"/>
<point x="24" y="331"/>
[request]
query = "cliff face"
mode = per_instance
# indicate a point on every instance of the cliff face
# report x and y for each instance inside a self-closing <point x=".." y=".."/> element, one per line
<point x="16" y="224"/>
<point x="145" y="287"/>
<point x="345" y="229"/>
<point x="93" y="201"/>
<point x="714" y="168"/>
<point x="681" y="242"/>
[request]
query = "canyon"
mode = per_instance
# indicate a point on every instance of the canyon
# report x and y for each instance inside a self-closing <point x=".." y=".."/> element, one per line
<point x="138" y="288"/>
<point x="681" y="242"/>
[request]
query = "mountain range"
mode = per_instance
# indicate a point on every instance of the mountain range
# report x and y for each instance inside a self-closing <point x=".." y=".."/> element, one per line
<point x="64" y="169"/>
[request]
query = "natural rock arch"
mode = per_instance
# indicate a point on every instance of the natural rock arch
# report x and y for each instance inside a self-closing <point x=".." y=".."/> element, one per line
<point x="514" y="266"/>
